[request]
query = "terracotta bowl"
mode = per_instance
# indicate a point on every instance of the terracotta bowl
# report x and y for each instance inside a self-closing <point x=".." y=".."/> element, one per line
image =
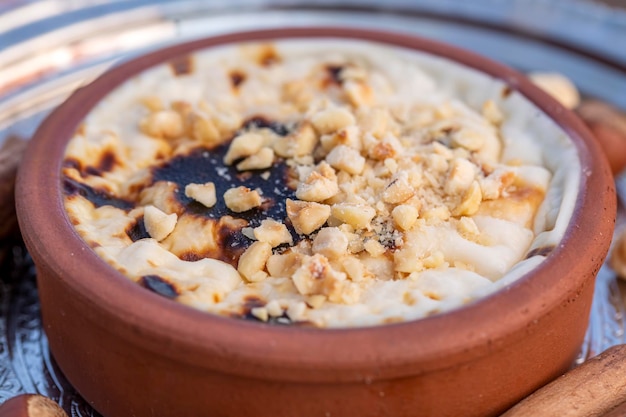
<point x="130" y="352"/>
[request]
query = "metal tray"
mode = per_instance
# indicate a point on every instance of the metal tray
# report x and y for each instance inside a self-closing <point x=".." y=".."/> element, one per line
<point x="49" y="48"/>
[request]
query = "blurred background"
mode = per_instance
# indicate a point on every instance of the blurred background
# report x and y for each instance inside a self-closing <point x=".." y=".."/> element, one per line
<point x="48" y="48"/>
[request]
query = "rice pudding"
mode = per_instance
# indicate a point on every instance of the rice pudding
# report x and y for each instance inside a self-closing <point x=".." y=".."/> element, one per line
<point x="319" y="182"/>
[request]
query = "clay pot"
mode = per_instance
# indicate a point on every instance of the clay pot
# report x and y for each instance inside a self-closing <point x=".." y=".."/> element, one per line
<point x="130" y="352"/>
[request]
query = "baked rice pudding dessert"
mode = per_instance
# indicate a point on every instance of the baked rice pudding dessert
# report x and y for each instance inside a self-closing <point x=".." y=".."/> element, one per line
<point x="321" y="182"/>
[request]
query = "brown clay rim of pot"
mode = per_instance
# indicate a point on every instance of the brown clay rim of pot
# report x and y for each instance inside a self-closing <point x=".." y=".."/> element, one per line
<point x="232" y="345"/>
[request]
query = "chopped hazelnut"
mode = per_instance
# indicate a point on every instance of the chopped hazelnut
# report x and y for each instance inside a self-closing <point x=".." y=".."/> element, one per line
<point x="493" y="185"/>
<point x="354" y="268"/>
<point x="258" y="276"/>
<point x="306" y="217"/>
<point x="398" y="189"/>
<point x="374" y="247"/>
<point x="358" y="93"/>
<point x="202" y="193"/>
<point x="260" y="313"/>
<point x="382" y="150"/>
<point x="253" y="260"/>
<point x="471" y="201"/>
<point x="436" y="214"/>
<point x="243" y="146"/>
<point x="405" y="216"/>
<point x="240" y="199"/>
<point x="274" y="309"/>
<point x="319" y="185"/>
<point x="348" y="136"/>
<point x="158" y="224"/>
<point x="330" y="242"/>
<point x="205" y="131"/>
<point x="332" y="119"/>
<point x="316" y="301"/>
<point x="162" y="124"/>
<point x="434" y="260"/>
<point x="375" y="121"/>
<point x="317" y="276"/>
<point x="284" y="264"/>
<point x="492" y="113"/>
<point x="346" y="159"/>
<point x="467" y="228"/>
<point x="299" y="143"/>
<point x="298" y="93"/>
<point x="358" y="216"/>
<point x="460" y="176"/>
<point x="296" y="311"/>
<point x="263" y="159"/>
<point x="405" y="260"/>
<point x="468" y="139"/>
<point x="272" y="232"/>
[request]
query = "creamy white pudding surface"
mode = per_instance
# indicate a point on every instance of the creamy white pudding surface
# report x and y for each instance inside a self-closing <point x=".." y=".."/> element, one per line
<point x="322" y="182"/>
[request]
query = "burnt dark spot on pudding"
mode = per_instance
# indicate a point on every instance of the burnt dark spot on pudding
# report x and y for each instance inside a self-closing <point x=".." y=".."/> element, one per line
<point x="182" y="65"/>
<point x="89" y="170"/>
<point x="106" y="164"/>
<point x="107" y="161"/>
<point x="137" y="230"/>
<point x="97" y="197"/>
<point x="237" y="77"/>
<point x="333" y="74"/>
<point x="72" y="163"/>
<point x="159" y="285"/>
<point x="253" y="301"/>
<point x="506" y="91"/>
<point x="231" y="241"/>
<point x="449" y="129"/>
<point x="282" y="320"/>
<point x="203" y="165"/>
<point x="262" y="122"/>
<point x="540" y="251"/>
<point x="267" y="204"/>
<point x="244" y="176"/>
<point x="191" y="256"/>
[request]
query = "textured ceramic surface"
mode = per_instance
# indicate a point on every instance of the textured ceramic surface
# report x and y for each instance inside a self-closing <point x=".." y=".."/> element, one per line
<point x="132" y="353"/>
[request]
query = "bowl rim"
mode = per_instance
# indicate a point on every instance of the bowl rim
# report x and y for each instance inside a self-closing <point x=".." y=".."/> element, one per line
<point x="441" y="340"/>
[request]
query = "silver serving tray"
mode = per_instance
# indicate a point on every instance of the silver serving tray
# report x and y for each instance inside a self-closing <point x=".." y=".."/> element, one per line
<point x="49" y="48"/>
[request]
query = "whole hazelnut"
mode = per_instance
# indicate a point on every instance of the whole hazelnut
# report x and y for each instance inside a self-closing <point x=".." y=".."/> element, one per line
<point x="608" y="124"/>
<point x="31" y="405"/>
